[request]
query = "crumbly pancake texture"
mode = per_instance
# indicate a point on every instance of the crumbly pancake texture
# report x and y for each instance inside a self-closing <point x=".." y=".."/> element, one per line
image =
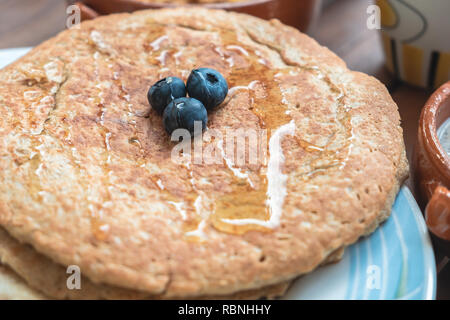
<point x="87" y="176"/>
<point x="37" y="277"/>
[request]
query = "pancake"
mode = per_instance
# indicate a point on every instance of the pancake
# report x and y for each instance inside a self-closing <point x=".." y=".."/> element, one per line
<point x="87" y="174"/>
<point x="37" y="277"/>
<point x="45" y="279"/>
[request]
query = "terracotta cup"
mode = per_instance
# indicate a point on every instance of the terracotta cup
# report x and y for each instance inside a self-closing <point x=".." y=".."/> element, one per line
<point x="300" y="14"/>
<point x="432" y="165"/>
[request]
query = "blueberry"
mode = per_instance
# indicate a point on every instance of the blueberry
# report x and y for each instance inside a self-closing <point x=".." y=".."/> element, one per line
<point x="208" y="86"/>
<point x="182" y="113"/>
<point x="164" y="91"/>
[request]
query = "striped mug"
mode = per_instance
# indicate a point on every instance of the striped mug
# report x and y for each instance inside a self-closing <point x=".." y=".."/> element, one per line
<point x="416" y="39"/>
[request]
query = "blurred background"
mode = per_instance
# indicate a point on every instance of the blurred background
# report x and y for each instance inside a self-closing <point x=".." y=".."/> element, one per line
<point x="341" y="26"/>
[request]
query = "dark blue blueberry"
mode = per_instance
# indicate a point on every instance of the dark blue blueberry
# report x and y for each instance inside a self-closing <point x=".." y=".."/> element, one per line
<point x="164" y="91"/>
<point x="181" y="113"/>
<point x="208" y="86"/>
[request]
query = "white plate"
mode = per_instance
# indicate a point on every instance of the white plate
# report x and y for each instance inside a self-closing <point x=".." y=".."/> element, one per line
<point x="10" y="55"/>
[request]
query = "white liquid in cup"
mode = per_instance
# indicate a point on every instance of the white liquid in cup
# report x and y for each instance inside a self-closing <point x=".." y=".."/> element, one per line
<point x="444" y="136"/>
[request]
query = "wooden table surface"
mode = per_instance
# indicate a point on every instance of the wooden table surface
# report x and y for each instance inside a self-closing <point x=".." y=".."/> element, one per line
<point x="342" y="28"/>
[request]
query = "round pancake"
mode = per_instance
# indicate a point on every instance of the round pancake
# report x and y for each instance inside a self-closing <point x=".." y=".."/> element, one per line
<point x="43" y="276"/>
<point x="36" y="277"/>
<point x="86" y="169"/>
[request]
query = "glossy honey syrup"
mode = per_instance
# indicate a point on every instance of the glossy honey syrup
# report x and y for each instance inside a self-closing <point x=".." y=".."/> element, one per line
<point x="274" y="98"/>
<point x="255" y="195"/>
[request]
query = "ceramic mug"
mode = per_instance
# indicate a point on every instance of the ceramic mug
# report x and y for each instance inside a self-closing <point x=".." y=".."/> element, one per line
<point x="416" y="39"/>
<point x="432" y="165"/>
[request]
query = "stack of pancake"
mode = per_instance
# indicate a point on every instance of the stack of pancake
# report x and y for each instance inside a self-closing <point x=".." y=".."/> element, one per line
<point x="88" y="178"/>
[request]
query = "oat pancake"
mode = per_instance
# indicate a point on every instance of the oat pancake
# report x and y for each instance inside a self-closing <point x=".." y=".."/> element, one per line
<point x="35" y="275"/>
<point x="46" y="279"/>
<point x="86" y="170"/>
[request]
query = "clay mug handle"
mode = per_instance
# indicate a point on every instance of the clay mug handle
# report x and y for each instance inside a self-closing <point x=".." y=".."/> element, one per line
<point x="437" y="213"/>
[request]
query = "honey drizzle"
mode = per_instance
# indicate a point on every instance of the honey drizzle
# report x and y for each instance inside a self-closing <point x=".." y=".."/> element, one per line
<point x="233" y="206"/>
<point x="99" y="228"/>
<point x="247" y="208"/>
<point x="245" y="202"/>
<point x="343" y="118"/>
<point x="36" y="136"/>
<point x="134" y="139"/>
<point x="34" y="178"/>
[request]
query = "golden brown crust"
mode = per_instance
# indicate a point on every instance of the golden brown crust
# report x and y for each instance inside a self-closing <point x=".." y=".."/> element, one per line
<point x="76" y="189"/>
<point x="43" y="276"/>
